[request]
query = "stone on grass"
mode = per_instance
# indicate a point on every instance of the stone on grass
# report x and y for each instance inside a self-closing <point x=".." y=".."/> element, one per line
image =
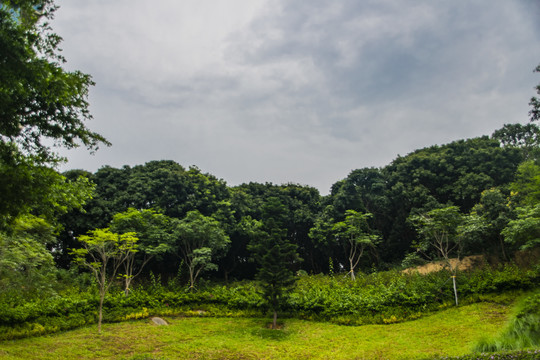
<point x="158" y="321"/>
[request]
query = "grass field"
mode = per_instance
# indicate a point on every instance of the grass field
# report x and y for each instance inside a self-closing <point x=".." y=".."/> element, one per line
<point x="450" y="332"/>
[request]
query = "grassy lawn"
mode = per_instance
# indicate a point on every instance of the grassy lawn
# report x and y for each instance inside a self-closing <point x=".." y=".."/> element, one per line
<point x="451" y="332"/>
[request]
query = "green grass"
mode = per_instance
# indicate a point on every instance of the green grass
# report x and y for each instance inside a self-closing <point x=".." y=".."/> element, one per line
<point x="451" y="332"/>
<point x="523" y="330"/>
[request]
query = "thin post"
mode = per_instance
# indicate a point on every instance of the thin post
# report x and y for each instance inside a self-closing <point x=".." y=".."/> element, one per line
<point x="455" y="288"/>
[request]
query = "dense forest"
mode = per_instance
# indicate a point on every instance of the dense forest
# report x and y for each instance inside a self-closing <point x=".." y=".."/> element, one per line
<point x="79" y="248"/>
<point x="490" y="181"/>
<point x="481" y="177"/>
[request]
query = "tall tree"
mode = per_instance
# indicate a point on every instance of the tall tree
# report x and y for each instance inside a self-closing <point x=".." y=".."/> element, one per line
<point x="526" y="137"/>
<point x="487" y="220"/>
<point x="40" y="104"/>
<point x="534" y="113"/>
<point x="38" y="98"/>
<point x="274" y="256"/>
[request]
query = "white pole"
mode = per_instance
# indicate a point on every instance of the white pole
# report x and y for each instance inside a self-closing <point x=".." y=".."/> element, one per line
<point x="455" y="289"/>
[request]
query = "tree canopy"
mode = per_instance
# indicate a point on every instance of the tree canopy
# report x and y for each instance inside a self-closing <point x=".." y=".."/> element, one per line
<point x="39" y="99"/>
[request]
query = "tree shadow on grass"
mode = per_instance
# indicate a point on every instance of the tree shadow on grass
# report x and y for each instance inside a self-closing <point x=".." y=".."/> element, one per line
<point x="265" y="331"/>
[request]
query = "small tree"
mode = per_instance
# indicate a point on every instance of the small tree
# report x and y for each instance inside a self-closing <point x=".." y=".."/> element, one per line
<point x="103" y="253"/>
<point x="355" y="236"/>
<point x="438" y="229"/>
<point x="199" y="241"/>
<point x="154" y="233"/>
<point x="274" y="255"/>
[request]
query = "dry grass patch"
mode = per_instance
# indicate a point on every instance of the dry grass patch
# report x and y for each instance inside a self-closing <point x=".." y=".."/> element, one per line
<point x="465" y="264"/>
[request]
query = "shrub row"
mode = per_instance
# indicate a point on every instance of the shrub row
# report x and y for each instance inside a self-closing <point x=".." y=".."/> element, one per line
<point x="385" y="297"/>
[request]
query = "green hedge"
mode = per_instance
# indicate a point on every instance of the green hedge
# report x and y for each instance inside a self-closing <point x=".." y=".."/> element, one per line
<point x="385" y="297"/>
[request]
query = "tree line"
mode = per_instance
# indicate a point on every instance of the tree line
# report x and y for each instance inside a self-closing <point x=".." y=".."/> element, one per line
<point x="469" y="196"/>
<point x="375" y="218"/>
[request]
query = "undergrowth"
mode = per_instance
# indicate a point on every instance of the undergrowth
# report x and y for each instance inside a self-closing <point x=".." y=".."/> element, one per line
<point x="378" y="298"/>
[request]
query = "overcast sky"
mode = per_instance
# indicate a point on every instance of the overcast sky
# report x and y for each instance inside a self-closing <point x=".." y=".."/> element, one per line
<point x="296" y="91"/>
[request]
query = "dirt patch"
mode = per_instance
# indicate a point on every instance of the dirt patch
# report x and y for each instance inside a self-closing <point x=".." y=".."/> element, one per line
<point x="466" y="263"/>
<point x="279" y="326"/>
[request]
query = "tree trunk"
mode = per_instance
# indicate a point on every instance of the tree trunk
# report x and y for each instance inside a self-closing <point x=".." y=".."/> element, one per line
<point x="100" y="315"/>
<point x="128" y="284"/>
<point x="502" y="248"/>
<point x="274" y="323"/>
<point x="351" y="269"/>
<point x="191" y="279"/>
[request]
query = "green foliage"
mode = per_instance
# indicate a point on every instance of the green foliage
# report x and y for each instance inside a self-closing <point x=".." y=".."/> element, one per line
<point x="199" y="240"/>
<point x="438" y="229"/>
<point x="523" y="330"/>
<point x="30" y="188"/>
<point x="526" y="186"/>
<point x="484" y="224"/>
<point x="26" y="265"/>
<point x="526" y="137"/>
<point x="534" y="113"/>
<point x="103" y="254"/>
<point x="38" y="98"/>
<point x="453" y="174"/>
<point x="275" y="255"/>
<point x="525" y="230"/>
<point x="355" y="236"/>
<point x="378" y="298"/>
<point x="153" y="231"/>
<point x="500" y="279"/>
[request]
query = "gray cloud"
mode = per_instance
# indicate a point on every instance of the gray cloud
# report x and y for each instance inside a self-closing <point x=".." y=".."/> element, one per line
<point x="301" y="92"/>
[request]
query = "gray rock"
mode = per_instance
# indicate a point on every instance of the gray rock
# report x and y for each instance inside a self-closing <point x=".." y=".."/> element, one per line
<point x="158" y="321"/>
